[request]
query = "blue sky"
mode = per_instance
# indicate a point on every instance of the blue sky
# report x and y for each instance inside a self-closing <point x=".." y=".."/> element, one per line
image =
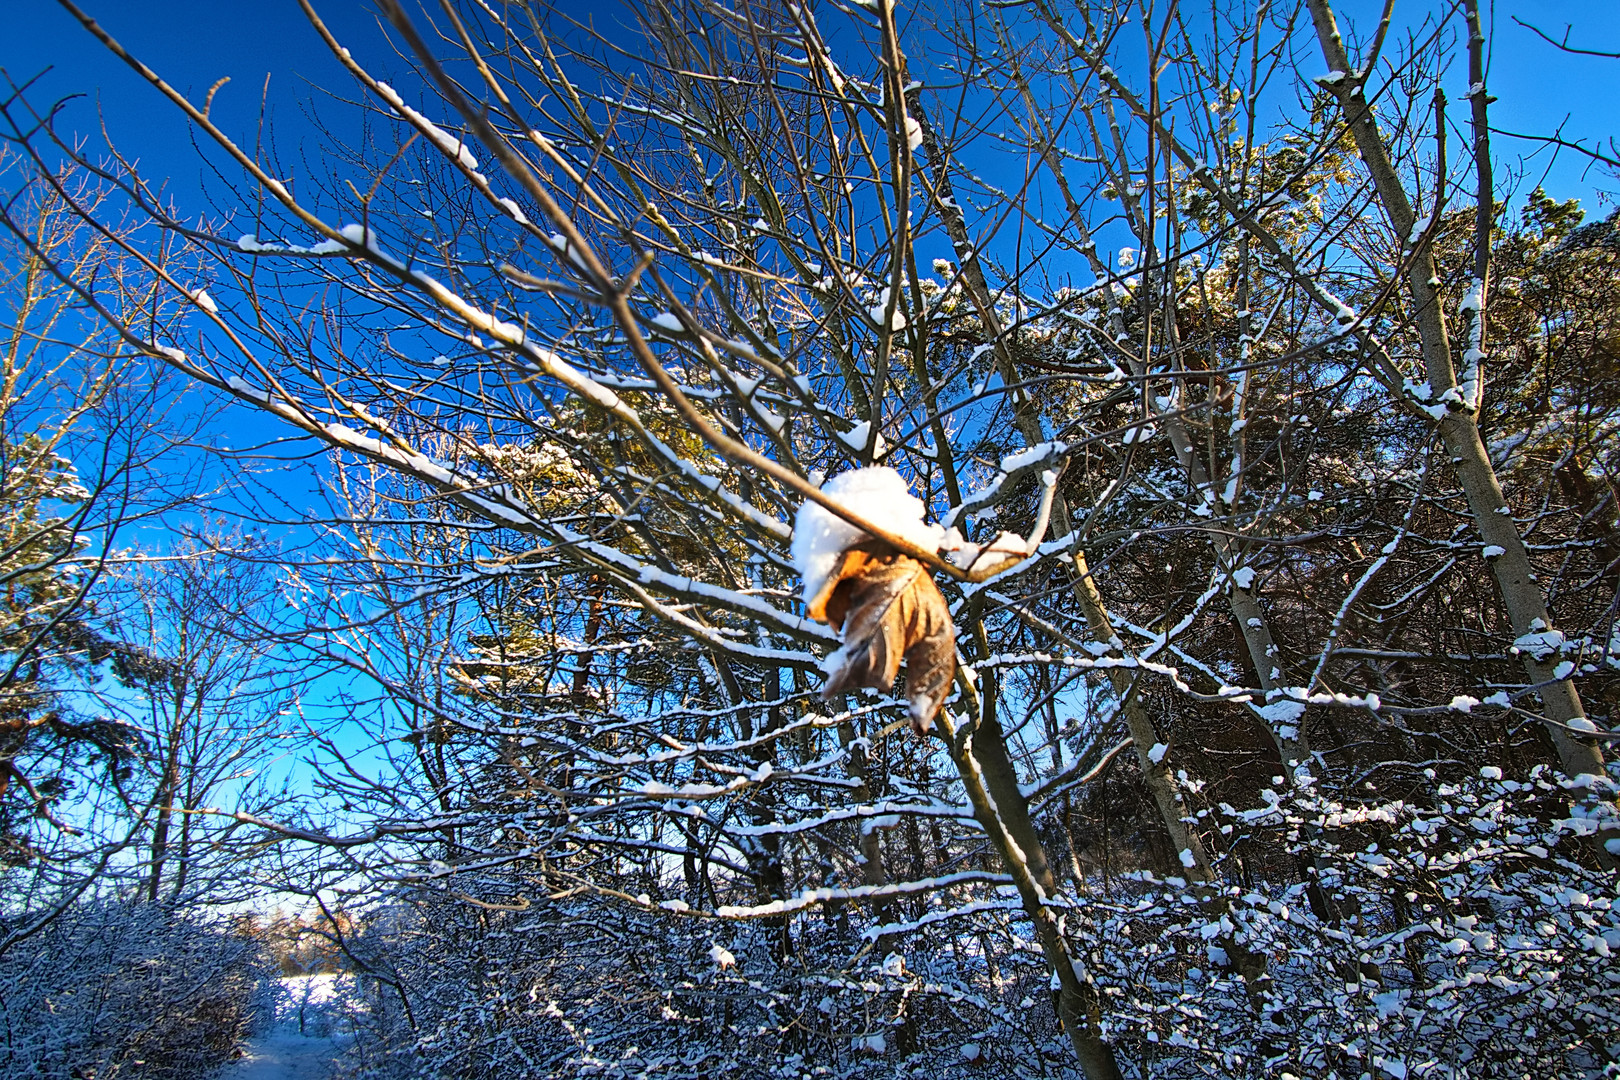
<point x="192" y="43"/>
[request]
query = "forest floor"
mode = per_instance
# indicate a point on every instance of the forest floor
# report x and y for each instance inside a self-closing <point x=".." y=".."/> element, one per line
<point x="301" y="1044"/>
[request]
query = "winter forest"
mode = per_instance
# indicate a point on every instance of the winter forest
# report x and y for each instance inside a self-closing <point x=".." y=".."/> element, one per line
<point x="853" y="539"/>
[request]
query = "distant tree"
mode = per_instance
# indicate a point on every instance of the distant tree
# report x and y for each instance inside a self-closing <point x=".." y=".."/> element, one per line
<point x="86" y="430"/>
<point x="209" y="713"/>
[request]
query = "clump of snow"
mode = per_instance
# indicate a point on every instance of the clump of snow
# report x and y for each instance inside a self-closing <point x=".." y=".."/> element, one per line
<point x="878" y="495"/>
<point x="722" y="956"/>
<point x="1282" y="712"/>
<point x="914" y="134"/>
<point x="359" y="234"/>
<point x="513" y="209"/>
<point x="1540" y="642"/>
<point x="855" y="438"/>
<point x="897" y="320"/>
<point x="969" y="556"/>
<point x="1392" y="1066"/>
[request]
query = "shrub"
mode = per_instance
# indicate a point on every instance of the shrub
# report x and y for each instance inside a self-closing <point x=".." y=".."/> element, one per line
<point x="115" y="989"/>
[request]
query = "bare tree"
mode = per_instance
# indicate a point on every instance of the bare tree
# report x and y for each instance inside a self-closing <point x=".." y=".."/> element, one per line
<point x="88" y="459"/>
<point x="1165" y="434"/>
<point x="210" y="709"/>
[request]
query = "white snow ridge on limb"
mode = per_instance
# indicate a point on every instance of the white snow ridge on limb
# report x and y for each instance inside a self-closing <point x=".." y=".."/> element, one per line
<point x="884" y="603"/>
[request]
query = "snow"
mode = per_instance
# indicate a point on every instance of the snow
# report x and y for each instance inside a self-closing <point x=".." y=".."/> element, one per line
<point x="512" y="208"/>
<point x="722" y="957"/>
<point x="452" y="145"/>
<point x="299" y="1044"/>
<point x="1492" y="551"/>
<point x="914" y="135"/>
<point x="1039" y="452"/>
<point x="249" y="242"/>
<point x="560" y="244"/>
<point x="878" y="495"/>
<point x="201" y="298"/>
<point x="1229" y="493"/>
<point x="969" y="556"/>
<point x="245" y="389"/>
<point x="897" y="320"/>
<point x="1243" y="577"/>
<point x="856" y="437"/>
<point x="1282" y="712"/>
<point x="668" y="320"/>
<point x="1156" y="754"/>
<point x="360" y="235"/>
<point x="1539" y="642"/>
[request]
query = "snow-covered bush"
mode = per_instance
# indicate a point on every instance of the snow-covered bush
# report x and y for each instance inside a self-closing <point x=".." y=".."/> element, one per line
<point x="588" y="987"/>
<point x="1462" y="935"/>
<point x="113" y="989"/>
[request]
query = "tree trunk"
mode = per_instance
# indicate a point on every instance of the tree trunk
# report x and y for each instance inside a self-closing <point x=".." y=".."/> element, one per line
<point x="1526" y="606"/>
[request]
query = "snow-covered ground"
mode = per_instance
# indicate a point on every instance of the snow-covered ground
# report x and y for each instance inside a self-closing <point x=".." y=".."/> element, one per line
<point x="301" y="1043"/>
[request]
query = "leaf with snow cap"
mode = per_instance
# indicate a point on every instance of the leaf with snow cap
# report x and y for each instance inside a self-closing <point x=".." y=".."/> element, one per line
<point x="887" y="606"/>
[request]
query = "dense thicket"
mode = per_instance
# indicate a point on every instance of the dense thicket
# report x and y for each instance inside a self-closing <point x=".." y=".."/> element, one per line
<point x="112" y="989"/>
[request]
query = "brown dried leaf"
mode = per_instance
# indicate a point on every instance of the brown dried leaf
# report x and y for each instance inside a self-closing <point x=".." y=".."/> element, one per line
<point x="887" y="606"/>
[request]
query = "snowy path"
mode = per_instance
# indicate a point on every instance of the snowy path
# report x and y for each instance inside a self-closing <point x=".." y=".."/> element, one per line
<point x="285" y="1053"/>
